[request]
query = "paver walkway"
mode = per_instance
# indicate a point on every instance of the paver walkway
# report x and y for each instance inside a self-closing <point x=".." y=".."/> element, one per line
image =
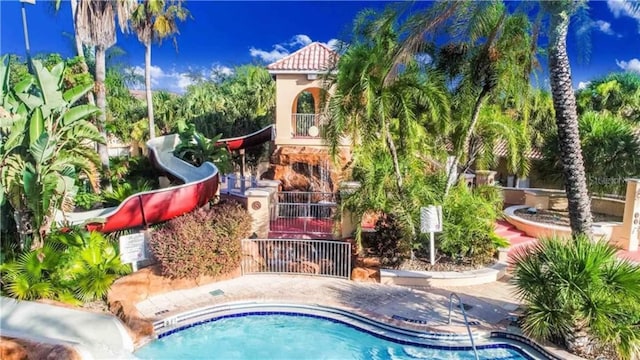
<point x="382" y="302"/>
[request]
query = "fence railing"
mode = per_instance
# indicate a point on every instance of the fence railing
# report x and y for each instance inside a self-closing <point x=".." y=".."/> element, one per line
<point x="285" y="256"/>
<point x="303" y="212"/>
<point x="234" y="184"/>
<point x="303" y="122"/>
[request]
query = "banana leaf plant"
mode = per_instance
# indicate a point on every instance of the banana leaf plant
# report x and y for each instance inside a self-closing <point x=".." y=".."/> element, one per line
<point x="45" y="142"/>
<point x="195" y="148"/>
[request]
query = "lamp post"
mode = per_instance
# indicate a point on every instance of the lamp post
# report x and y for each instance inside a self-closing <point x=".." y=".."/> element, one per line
<point x="26" y="32"/>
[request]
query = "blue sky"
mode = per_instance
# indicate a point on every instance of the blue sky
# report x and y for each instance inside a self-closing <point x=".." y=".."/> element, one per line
<point x="222" y="35"/>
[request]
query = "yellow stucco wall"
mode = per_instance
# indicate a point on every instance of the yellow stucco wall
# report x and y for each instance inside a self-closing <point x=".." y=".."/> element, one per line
<point x="288" y="87"/>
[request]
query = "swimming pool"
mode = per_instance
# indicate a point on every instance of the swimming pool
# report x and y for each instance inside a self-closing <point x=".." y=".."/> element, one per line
<point x="312" y="333"/>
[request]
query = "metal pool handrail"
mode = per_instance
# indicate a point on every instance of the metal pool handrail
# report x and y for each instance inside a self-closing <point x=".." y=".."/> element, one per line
<point x="466" y="322"/>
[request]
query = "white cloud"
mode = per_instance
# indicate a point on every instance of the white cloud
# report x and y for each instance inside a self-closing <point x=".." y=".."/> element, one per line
<point x="623" y="8"/>
<point x="300" y="39"/>
<point x="583" y="84"/>
<point x="285" y="48"/>
<point x="221" y="69"/>
<point x="269" y="56"/>
<point x="334" y="44"/>
<point x="631" y="65"/>
<point x="424" y="58"/>
<point x="172" y="81"/>
<point x="604" y="27"/>
<point x="219" y="72"/>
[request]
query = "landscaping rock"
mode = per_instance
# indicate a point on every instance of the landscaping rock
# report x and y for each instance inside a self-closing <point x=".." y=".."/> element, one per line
<point x="20" y="349"/>
<point x="11" y="350"/>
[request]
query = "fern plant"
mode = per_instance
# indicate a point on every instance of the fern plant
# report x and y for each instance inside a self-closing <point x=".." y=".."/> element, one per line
<point x="122" y="191"/>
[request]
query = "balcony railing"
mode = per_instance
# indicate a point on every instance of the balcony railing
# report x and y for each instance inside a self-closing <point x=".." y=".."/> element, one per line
<point x="307" y="125"/>
<point x="236" y="185"/>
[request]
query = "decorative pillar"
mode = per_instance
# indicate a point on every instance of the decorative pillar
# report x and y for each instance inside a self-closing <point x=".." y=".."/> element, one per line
<point x="628" y="237"/>
<point x="258" y="208"/>
<point x="348" y="224"/>
<point x="485" y="177"/>
<point x="272" y="186"/>
<point x="468" y="180"/>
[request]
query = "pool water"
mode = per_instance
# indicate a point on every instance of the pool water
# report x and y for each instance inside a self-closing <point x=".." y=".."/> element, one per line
<point x="295" y="337"/>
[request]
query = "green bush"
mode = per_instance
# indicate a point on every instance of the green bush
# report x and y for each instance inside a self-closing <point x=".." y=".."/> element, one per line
<point x="73" y="266"/>
<point x="87" y="200"/>
<point x="468" y="224"/>
<point x="195" y="149"/>
<point x="122" y="191"/>
<point x="578" y="293"/>
<point x="389" y="242"/>
<point x="125" y="169"/>
<point x="203" y="242"/>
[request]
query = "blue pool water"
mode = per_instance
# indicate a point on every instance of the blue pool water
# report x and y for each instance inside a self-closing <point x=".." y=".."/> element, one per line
<point x="295" y="337"/>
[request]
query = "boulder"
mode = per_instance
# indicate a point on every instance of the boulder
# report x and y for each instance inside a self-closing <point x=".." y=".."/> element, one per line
<point x="303" y="168"/>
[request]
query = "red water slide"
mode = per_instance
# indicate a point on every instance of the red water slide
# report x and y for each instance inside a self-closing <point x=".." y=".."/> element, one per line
<point x="200" y="184"/>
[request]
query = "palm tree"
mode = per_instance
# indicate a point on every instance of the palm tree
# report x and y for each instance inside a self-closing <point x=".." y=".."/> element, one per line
<point x="491" y="54"/>
<point x="578" y="293"/>
<point x="367" y="109"/>
<point x="495" y="61"/>
<point x="79" y="45"/>
<point x="564" y="103"/>
<point x="153" y="21"/>
<point x="385" y="121"/>
<point x="610" y="148"/>
<point x="94" y="22"/>
<point x="617" y="94"/>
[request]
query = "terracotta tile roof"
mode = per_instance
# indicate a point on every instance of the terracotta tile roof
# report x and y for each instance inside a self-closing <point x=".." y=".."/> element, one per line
<point x="501" y="149"/>
<point x="315" y="57"/>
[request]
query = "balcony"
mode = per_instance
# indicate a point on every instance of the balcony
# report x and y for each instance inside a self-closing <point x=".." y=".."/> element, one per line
<point x="307" y="126"/>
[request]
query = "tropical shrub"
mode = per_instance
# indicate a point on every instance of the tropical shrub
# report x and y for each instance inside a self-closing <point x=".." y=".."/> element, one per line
<point x="203" y="242"/>
<point x="195" y="148"/>
<point x="133" y="169"/>
<point x="89" y="265"/>
<point x="122" y="191"/>
<point x="87" y="199"/>
<point x="47" y="140"/>
<point x="616" y="94"/>
<point x="577" y="293"/>
<point x="611" y="152"/>
<point x="74" y="267"/>
<point x="389" y="242"/>
<point x="468" y="224"/>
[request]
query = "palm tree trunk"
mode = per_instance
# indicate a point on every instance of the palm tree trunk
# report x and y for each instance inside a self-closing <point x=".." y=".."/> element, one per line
<point x="394" y="154"/>
<point x="467" y="138"/>
<point x="101" y="102"/>
<point x="147" y="84"/>
<point x="564" y="102"/>
<point x="80" y="50"/>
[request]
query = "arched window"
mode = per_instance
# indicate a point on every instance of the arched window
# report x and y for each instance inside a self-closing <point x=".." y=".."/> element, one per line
<point x="305" y="103"/>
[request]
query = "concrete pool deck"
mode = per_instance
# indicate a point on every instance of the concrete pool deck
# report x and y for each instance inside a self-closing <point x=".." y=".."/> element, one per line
<point x="369" y="299"/>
